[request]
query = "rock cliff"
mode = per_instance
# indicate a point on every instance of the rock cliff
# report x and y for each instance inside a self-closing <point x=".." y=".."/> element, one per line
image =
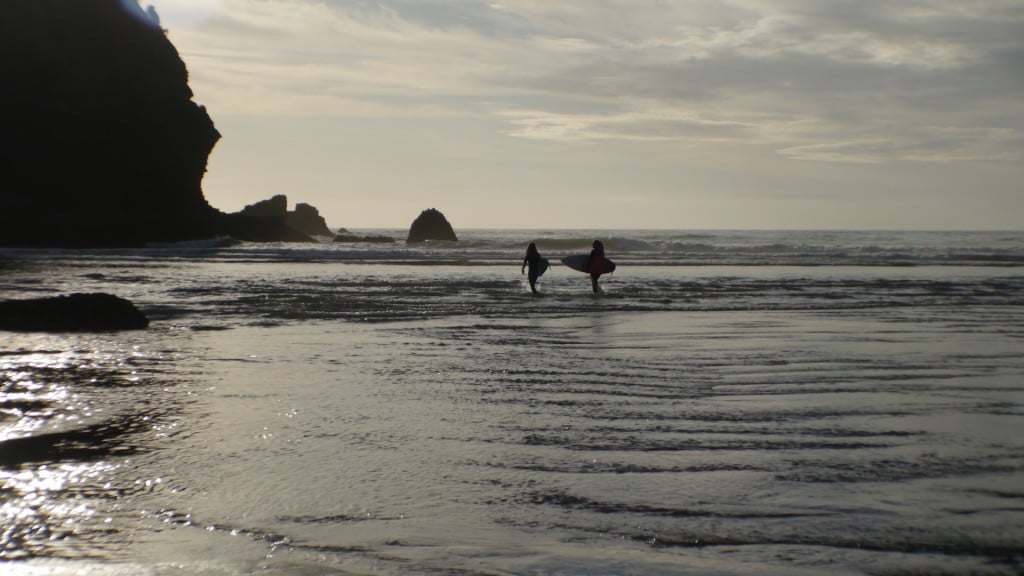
<point x="104" y="145"/>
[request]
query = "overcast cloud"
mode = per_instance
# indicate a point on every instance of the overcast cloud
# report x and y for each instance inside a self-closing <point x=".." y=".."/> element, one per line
<point x="873" y="84"/>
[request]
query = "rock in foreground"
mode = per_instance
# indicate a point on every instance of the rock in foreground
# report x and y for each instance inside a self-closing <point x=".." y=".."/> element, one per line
<point x="431" y="225"/>
<point x="94" y="312"/>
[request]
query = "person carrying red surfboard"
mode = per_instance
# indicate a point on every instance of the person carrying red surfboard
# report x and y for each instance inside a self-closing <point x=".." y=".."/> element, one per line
<point x="595" y="264"/>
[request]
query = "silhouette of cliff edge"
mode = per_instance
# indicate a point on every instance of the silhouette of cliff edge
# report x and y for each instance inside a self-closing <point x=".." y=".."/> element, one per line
<point x="105" y="146"/>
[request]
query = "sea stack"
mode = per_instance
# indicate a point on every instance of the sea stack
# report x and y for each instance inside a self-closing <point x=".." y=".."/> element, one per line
<point x="307" y="219"/>
<point x="431" y="225"/>
<point x="269" y="221"/>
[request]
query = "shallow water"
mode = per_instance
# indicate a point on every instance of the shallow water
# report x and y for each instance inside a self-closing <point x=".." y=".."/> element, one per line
<point x="321" y="413"/>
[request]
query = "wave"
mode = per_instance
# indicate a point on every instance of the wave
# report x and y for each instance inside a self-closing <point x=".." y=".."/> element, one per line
<point x="387" y="294"/>
<point x="636" y="248"/>
<point x="585" y="244"/>
<point x="191" y="246"/>
<point x="222" y="282"/>
<point x="661" y="248"/>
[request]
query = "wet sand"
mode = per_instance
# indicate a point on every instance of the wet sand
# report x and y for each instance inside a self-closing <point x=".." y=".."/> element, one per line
<point x="656" y="443"/>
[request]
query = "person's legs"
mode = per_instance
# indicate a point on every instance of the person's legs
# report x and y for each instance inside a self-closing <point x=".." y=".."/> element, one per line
<point x="533" y="283"/>
<point x="593" y="281"/>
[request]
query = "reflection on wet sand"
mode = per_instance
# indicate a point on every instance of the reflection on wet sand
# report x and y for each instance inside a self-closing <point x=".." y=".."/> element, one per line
<point x="70" y="423"/>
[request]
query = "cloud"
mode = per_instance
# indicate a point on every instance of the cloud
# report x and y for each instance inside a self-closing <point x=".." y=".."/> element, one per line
<point x="642" y="125"/>
<point x="854" y="82"/>
<point x="944" y="144"/>
<point x="184" y="13"/>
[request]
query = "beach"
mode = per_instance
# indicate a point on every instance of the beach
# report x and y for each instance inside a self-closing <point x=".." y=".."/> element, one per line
<point x="302" y="410"/>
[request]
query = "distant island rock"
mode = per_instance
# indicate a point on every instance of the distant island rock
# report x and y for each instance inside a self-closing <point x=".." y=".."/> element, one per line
<point x="431" y="225"/>
<point x="93" y="312"/>
<point x="104" y="145"/>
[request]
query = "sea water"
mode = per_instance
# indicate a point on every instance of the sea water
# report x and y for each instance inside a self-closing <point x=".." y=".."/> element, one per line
<point x="730" y="403"/>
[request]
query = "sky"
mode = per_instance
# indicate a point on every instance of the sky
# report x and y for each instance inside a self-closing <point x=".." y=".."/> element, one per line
<point x="602" y="114"/>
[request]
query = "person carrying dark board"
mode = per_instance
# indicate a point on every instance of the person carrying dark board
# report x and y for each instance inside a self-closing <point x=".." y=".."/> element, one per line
<point x="537" y="263"/>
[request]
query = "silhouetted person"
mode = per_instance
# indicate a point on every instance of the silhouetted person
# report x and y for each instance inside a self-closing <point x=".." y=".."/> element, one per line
<point x="536" y="263"/>
<point x="596" y="264"/>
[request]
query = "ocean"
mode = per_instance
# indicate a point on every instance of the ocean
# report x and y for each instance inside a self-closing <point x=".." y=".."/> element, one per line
<point x="732" y="402"/>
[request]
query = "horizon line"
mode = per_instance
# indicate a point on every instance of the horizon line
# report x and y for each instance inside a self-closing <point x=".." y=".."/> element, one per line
<point x="721" y="229"/>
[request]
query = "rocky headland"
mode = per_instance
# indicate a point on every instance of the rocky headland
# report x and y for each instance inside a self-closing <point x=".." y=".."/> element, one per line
<point x="104" y="144"/>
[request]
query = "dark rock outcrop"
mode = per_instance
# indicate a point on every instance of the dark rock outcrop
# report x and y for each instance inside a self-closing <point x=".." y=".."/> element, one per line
<point x="274" y="207"/>
<point x="267" y="221"/>
<point x="104" y="145"/>
<point x="95" y="312"/>
<point x="307" y="219"/>
<point x="431" y="225"/>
